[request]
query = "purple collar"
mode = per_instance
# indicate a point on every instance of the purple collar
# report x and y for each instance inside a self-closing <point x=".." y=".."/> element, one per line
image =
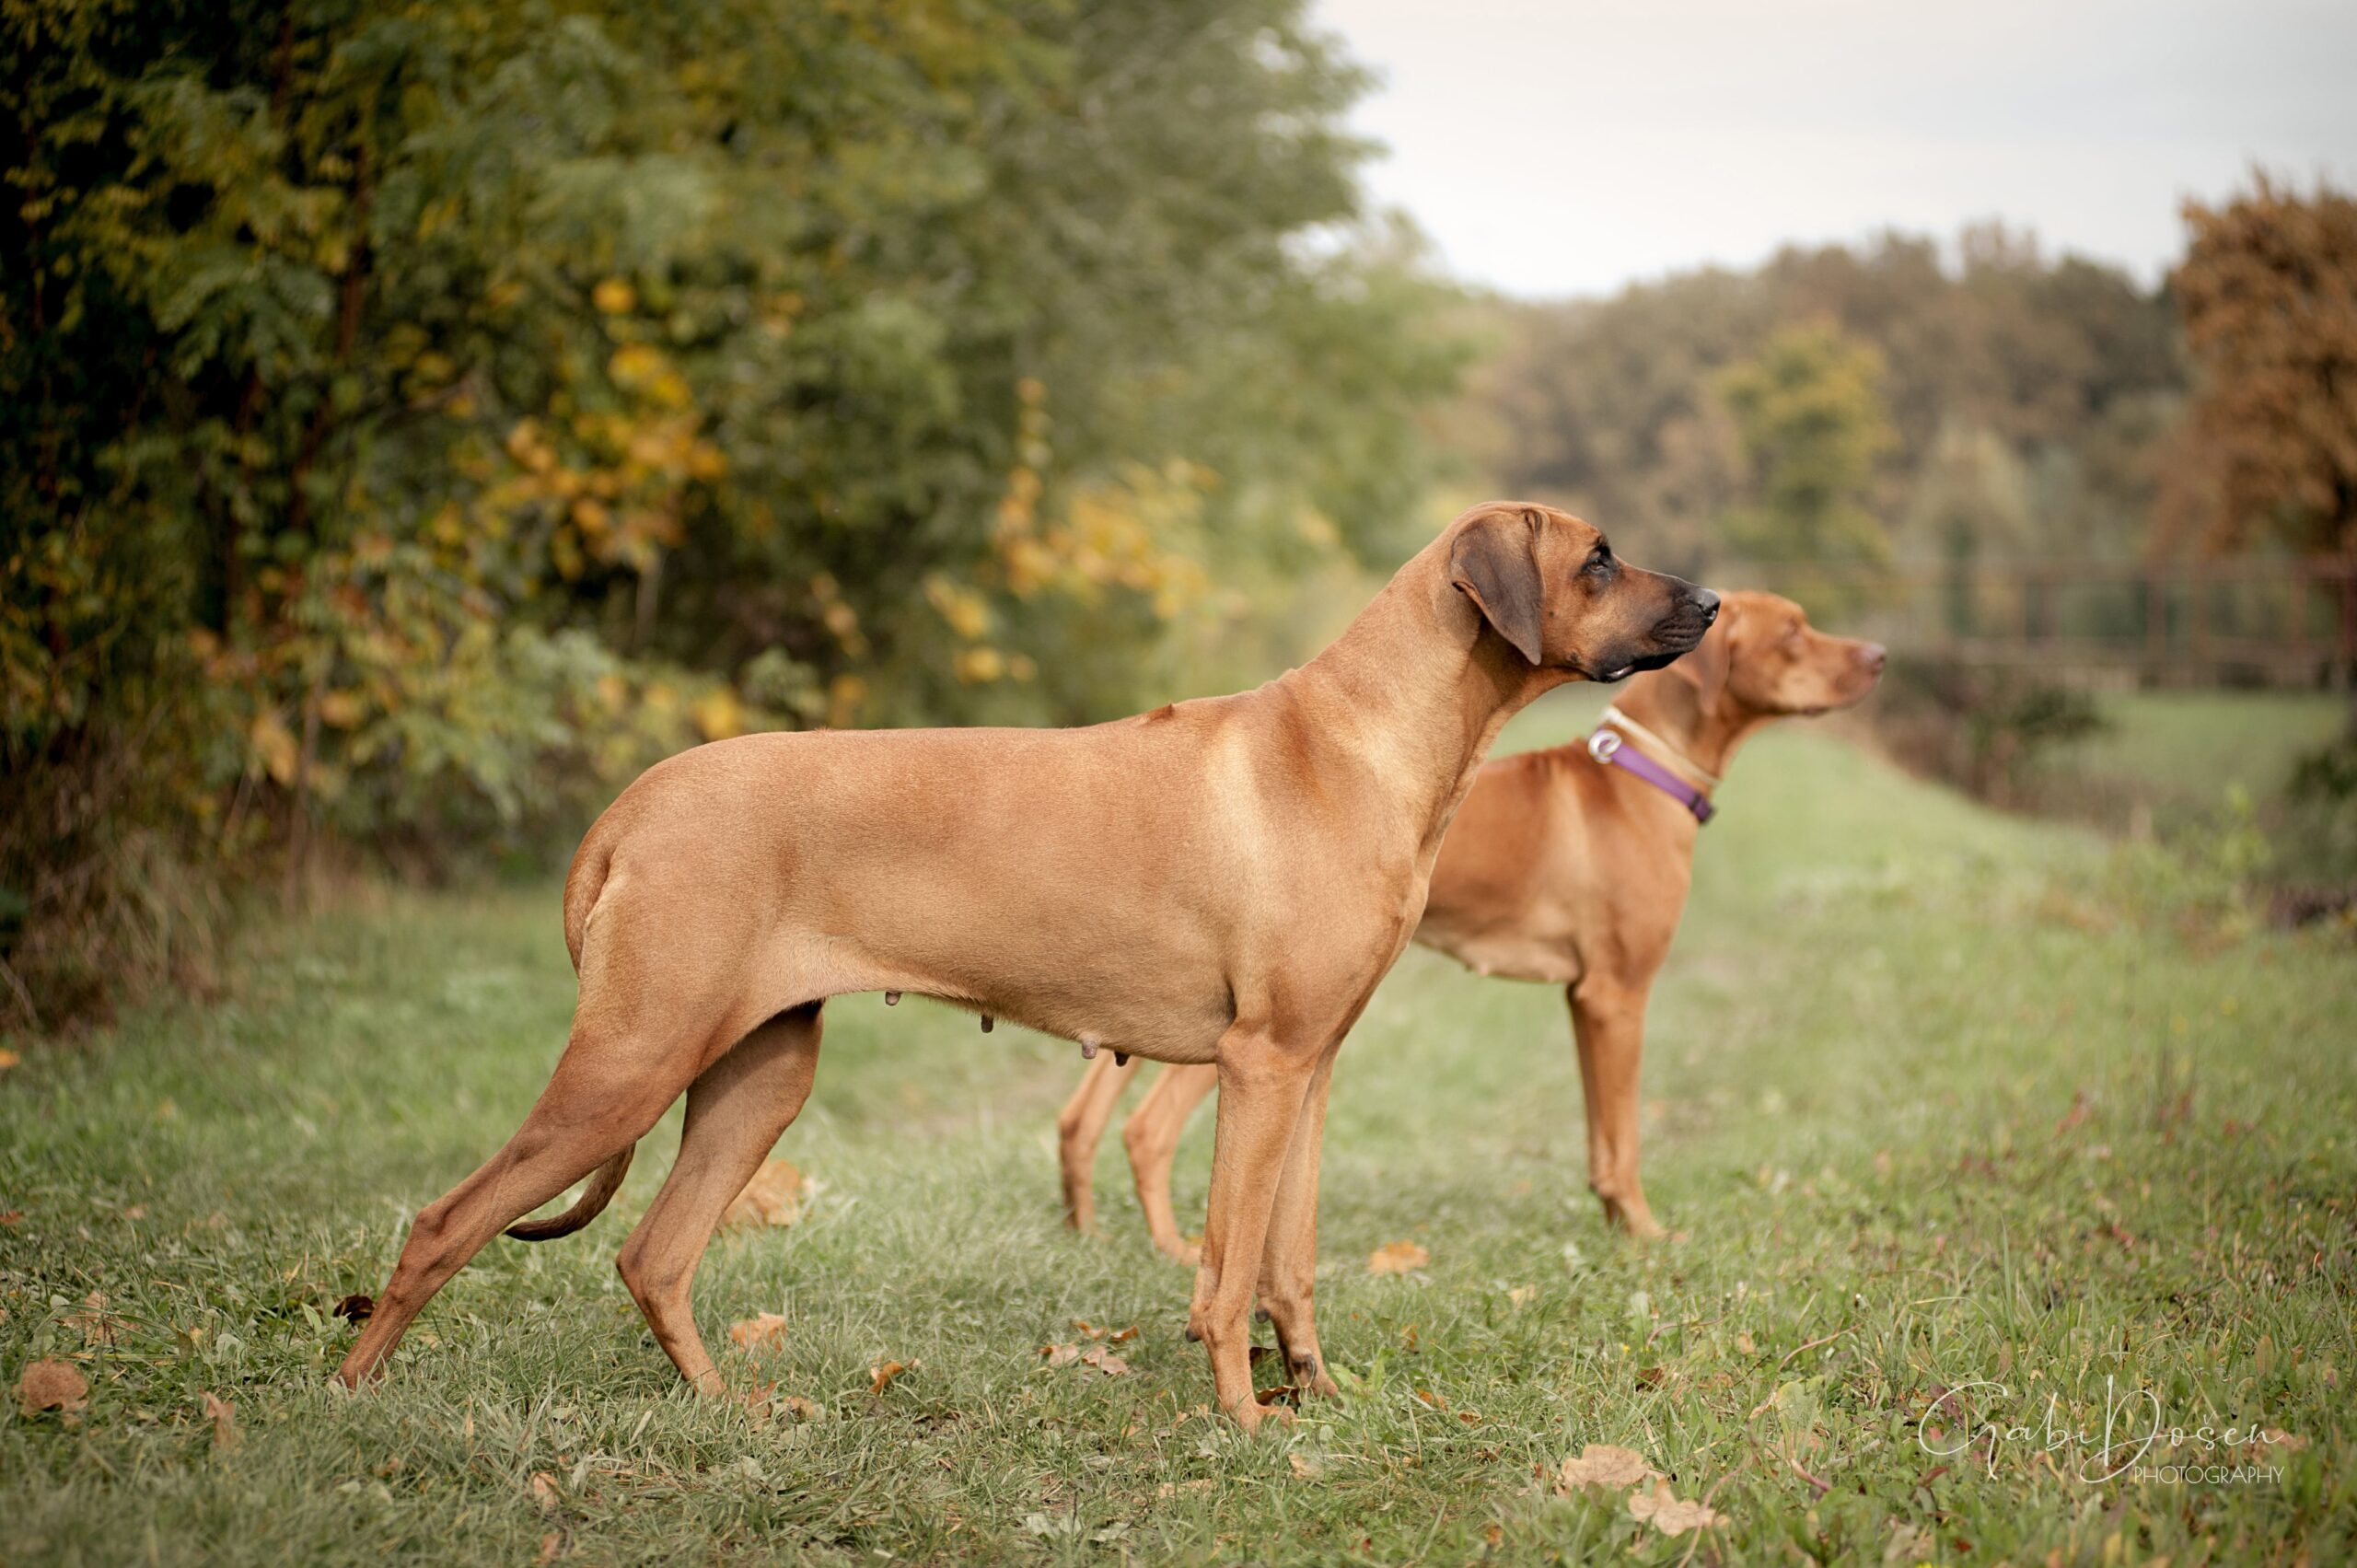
<point x="1608" y="748"/>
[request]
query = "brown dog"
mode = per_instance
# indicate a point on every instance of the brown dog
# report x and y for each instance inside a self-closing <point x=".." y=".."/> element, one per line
<point x="1562" y="869"/>
<point x="1220" y="882"/>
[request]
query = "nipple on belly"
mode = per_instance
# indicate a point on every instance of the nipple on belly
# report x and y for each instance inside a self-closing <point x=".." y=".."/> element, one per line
<point x="891" y="999"/>
<point x="988" y="1022"/>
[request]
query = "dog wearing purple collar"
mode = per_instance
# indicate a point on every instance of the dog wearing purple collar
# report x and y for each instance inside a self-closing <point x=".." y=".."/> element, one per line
<point x="1569" y="867"/>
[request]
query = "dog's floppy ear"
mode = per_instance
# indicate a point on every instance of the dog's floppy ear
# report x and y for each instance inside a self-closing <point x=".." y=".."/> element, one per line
<point x="1495" y="563"/>
<point x="1707" y="668"/>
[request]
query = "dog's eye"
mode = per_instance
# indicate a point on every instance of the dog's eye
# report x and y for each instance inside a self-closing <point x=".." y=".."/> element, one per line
<point x="1600" y="560"/>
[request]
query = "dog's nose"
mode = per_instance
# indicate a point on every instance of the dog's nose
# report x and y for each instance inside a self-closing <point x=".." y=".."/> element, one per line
<point x="1708" y="603"/>
<point x="1874" y="655"/>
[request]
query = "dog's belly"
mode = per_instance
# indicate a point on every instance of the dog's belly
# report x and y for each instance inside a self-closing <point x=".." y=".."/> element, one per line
<point x="1507" y="954"/>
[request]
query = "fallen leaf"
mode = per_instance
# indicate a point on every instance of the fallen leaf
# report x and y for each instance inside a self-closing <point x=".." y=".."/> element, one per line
<point x="1105" y="1360"/>
<point x="755" y="1334"/>
<point x="1172" y="1489"/>
<point x="545" y="1492"/>
<point x="8" y="1059"/>
<point x="1520" y="1296"/>
<point x="800" y="1408"/>
<point x="96" y="1326"/>
<point x="356" y="1309"/>
<point x="1303" y="1467"/>
<point x="1061" y="1356"/>
<point x="11" y="1217"/>
<point x="52" y="1386"/>
<point x="1743" y="1342"/>
<point x="224" y="1421"/>
<point x="880" y="1377"/>
<point x="552" y="1546"/>
<point x="772" y="1197"/>
<point x="136" y="1211"/>
<point x="1601" y="1464"/>
<point x="1669" y="1513"/>
<point x="1397" y="1257"/>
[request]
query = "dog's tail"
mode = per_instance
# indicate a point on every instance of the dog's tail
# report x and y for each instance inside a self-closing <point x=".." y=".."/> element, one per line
<point x="603" y="1184"/>
<point x="583" y="883"/>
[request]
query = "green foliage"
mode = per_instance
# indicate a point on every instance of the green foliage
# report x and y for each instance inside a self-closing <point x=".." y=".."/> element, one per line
<point x="1983" y="730"/>
<point x="412" y="420"/>
<point x="1808" y="413"/>
<point x="2025" y="397"/>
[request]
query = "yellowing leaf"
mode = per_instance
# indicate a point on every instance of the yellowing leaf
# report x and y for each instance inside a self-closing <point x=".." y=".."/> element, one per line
<point x="1669" y="1514"/>
<point x="762" y="1332"/>
<point x="1397" y="1257"/>
<point x="52" y="1386"/>
<point x="224" y="1421"/>
<point x="719" y="713"/>
<point x="1602" y="1465"/>
<point x="276" y="746"/>
<point x="773" y="1197"/>
<point x="1105" y="1360"/>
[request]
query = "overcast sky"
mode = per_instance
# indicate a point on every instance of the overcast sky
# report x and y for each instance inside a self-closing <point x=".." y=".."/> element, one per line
<point x="1573" y="146"/>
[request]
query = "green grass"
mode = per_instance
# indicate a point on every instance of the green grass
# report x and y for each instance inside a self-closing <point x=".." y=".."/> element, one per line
<point x="2170" y="757"/>
<point x="1865" y="1060"/>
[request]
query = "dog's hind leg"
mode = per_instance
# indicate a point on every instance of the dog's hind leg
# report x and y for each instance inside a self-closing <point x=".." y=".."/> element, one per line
<point x="737" y="1110"/>
<point x="602" y="1097"/>
<point x="1079" y="1127"/>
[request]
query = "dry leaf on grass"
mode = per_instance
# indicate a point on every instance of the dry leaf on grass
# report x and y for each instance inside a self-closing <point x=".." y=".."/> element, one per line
<point x="1169" y="1488"/>
<point x="1520" y="1296"/>
<point x="1601" y="1464"/>
<point x="764" y="1332"/>
<point x="545" y="1492"/>
<point x="54" y="1386"/>
<point x="1303" y="1468"/>
<point x="224" y="1421"/>
<point x="96" y="1325"/>
<point x="1669" y="1513"/>
<point x="8" y="1059"/>
<point x="1397" y="1257"/>
<point x="1110" y="1336"/>
<point x="772" y="1197"/>
<point x="1098" y="1356"/>
<point x="880" y="1377"/>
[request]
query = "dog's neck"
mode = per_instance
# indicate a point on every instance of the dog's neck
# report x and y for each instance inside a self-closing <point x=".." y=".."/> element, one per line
<point x="1668" y="703"/>
<point x="1416" y="688"/>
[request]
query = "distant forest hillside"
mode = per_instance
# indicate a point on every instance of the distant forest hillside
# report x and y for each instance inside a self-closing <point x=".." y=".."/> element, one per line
<point x="1989" y="404"/>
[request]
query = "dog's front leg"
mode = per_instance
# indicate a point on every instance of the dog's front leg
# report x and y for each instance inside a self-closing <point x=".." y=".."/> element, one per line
<point x="1608" y="1021"/>
<point x="1262" y="1093"/>
<point x="1289" y="1263"/>
<point x="1078" y="1128"/>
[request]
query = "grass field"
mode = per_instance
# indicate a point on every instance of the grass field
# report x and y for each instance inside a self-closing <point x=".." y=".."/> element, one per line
<point x="1927" y="1109"/>
<point x="2170" y="757"/>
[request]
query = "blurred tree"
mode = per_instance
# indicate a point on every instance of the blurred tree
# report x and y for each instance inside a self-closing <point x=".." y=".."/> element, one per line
<point x="415" y="418"/>
<point x="1607" y="405"/>
<point x="2268" y="289"/>
<point x="1812" y="425"/>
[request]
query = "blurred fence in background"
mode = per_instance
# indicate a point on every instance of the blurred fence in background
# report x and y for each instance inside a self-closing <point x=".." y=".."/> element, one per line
<point x="2247" y="621"/>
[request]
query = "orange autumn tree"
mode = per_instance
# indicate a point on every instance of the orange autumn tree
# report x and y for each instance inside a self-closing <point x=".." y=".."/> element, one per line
<point x="2268" y="292"/>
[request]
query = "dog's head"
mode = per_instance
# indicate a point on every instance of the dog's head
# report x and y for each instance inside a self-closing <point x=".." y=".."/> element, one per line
<point x="1763" y="657"/>
<point x="1550" y="588"/>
